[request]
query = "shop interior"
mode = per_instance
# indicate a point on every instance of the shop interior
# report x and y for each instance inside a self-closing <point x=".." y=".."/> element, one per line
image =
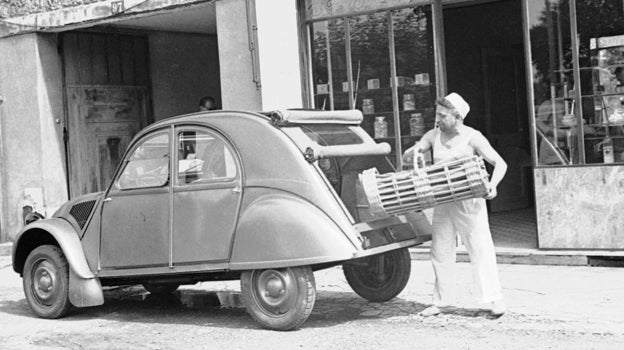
<point x="485" y="64"/>
<point x="354" y="59"/>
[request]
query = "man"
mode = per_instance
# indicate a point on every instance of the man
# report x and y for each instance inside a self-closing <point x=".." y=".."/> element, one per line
<point x="453" y="140"/>
<point x="207" y="103"/>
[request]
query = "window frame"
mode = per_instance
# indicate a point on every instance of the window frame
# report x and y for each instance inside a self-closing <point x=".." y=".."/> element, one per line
<point x="117" y="186"/>
<point x="179" y="129"/>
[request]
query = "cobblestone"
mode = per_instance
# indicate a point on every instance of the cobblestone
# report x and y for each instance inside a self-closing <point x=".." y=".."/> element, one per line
<point x="548" y="307"/>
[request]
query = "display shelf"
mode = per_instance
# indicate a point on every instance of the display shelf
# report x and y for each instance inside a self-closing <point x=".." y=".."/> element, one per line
<point x="603" y="125"/>
<point x="407" y="112"/>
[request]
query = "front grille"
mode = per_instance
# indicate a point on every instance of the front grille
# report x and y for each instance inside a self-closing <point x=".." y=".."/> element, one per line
<point x="80" y="212"/>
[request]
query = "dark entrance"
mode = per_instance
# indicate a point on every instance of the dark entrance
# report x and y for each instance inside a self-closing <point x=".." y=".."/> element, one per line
<point x="485" y="64"/>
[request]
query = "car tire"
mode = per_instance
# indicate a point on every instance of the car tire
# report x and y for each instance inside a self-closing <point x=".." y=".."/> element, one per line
<point x="46" y="282"/>
<point x="380" y="277"/>
<point x="161" y="288"/>
<point x="279" y="299"/>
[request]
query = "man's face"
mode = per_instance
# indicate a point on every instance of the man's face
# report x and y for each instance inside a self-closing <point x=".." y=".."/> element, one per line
<point x="445" y="118"/>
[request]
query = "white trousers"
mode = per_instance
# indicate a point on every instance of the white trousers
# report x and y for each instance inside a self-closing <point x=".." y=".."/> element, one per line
<point x="468" y="218"/>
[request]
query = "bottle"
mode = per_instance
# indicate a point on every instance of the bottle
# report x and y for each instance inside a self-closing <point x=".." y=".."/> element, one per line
<point x="368" y="106"/>
<point x="607" y="150"/>
<point x="417" y="124"/>
<point x="381" y="127"/>
<point x="408" y="102"/>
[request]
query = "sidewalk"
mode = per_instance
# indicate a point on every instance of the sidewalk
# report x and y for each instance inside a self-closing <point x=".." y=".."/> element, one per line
<point x="5" y="248"/>
<point x="524" y="256"/>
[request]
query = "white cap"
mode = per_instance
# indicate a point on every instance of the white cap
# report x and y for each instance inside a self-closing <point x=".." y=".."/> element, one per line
<point x="459" y="103"/>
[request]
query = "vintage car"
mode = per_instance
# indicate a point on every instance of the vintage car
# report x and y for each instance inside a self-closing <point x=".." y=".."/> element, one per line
<point x="264" y="198"/>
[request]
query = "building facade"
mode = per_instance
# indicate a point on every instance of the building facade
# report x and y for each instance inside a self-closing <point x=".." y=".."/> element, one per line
<point x="78" y="79"/>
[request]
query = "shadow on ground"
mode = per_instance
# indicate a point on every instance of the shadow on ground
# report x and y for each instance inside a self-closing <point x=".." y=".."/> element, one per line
<point x="207" y="308"/>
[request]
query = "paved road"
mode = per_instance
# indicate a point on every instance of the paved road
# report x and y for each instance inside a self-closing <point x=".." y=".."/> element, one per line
<point x="551" y="307"/>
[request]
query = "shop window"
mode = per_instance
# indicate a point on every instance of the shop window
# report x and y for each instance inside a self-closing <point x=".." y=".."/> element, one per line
<point x="578" y="122"/>
<point x="381" y="63"/>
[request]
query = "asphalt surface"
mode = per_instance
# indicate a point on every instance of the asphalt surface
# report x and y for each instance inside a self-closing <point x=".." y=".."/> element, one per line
<point x="550" y="307"/>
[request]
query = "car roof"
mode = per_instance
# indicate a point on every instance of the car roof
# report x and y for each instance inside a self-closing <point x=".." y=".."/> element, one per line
<point x="203" y="117"/>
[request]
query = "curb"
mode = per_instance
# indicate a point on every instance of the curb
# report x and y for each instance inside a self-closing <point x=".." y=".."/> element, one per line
<point x="539" y="257"/>
<point x="5" y="248"/>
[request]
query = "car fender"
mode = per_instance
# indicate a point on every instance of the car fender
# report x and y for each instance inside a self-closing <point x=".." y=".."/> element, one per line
<point x="281" y="230"/>
<point x="84" y="287"/>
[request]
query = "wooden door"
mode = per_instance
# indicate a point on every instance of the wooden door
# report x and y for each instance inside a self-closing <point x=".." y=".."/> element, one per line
<point x="107" y="85"/>
<point x="506" y="121"/>
<point x="102" y="122"/>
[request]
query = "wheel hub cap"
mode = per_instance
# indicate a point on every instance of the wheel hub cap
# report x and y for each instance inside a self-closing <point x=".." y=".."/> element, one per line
<point x="275" y="290"/>
<point x="275" y="287"/>
<point x="44" y="282"/>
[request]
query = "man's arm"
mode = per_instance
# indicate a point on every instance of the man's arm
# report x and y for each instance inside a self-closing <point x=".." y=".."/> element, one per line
<point x="485" y="150"/>
<point x="423" y="145"/>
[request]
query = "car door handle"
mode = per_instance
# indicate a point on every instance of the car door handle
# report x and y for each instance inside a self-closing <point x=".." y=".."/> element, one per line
<point x="107" y="199"/>
<point x="236" y="190"/>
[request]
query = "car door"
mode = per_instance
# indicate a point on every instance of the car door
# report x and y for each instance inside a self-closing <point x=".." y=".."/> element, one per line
<point x="206" y="196"/>
<point x="136" y="211"/>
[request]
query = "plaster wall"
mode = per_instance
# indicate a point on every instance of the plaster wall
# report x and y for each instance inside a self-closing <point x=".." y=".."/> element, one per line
<point x="278" y="44"/>
<point x="183" y="68"/>
<point x="580" y="207"/>
<point x="32" y="159"/>
<point x="238" y="90"/>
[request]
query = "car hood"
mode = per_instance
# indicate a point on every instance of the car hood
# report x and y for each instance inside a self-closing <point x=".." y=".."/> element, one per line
<point x="63" y="211"/>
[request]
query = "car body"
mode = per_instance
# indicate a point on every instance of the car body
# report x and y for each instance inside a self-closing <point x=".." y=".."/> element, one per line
<point x="267" y="198"/>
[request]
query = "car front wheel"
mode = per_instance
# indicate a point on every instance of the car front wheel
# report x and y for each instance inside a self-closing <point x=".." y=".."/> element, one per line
<point x="46" y="282"/>
<point x="280" y="299"/>
<point x="380" y="277"/>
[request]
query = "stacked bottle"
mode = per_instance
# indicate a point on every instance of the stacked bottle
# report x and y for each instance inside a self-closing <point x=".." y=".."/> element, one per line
<point x="381" y="127"/>
<point x="417" y="124"/>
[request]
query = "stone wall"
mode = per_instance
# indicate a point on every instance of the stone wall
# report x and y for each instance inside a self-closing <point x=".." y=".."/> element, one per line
<point x="15" y="8"/>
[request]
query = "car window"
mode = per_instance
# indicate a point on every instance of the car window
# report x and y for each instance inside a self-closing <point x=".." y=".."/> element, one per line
<point x="332" y="135"/>
<point x="148" y="165"/>
<point x="203" y="157"/>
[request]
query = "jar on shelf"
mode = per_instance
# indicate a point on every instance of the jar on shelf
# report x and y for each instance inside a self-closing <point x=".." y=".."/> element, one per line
<point x="408" y="102"/>
<point x="417" y="124"/>
<point x="368" y="106"/>
<point x="381" y="127"/>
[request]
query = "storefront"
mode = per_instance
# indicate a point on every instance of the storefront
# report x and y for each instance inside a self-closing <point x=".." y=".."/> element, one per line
<point x="515" y="64"/>
<point x="576" y="50"/>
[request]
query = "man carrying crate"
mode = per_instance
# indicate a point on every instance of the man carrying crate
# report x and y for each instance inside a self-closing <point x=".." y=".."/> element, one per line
<point x="451" y="140"/>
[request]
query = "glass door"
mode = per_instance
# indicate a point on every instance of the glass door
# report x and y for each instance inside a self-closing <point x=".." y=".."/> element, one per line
<point x="382" y="63"/>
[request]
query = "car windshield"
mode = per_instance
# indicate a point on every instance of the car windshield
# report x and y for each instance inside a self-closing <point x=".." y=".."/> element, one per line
<point x="332" y="135"/>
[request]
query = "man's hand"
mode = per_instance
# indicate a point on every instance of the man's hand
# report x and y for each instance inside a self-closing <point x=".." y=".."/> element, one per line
<point x="413" y="156"/>
<point x="491" y="192"/>
<point x="408" y="155"/>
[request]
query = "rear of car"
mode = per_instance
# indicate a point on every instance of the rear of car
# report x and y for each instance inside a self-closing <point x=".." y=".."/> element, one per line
<point x="339" y="149"/>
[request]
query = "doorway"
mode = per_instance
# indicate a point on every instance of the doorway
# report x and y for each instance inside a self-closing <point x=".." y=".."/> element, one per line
<point x="107" y="85"/>
<point x="485" y="64"/>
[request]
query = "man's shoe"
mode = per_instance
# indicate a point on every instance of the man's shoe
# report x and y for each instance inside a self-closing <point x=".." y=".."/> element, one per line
<point x="430" y="311"/>
<point x="498" y="308"/>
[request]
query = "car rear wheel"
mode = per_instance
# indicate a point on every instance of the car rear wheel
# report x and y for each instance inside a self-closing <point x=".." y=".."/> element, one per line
<point x="161" y="289"/>
<point x="381" y="277"/>
<point x="46" y="282"/>
<point x="280" y="299"/>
